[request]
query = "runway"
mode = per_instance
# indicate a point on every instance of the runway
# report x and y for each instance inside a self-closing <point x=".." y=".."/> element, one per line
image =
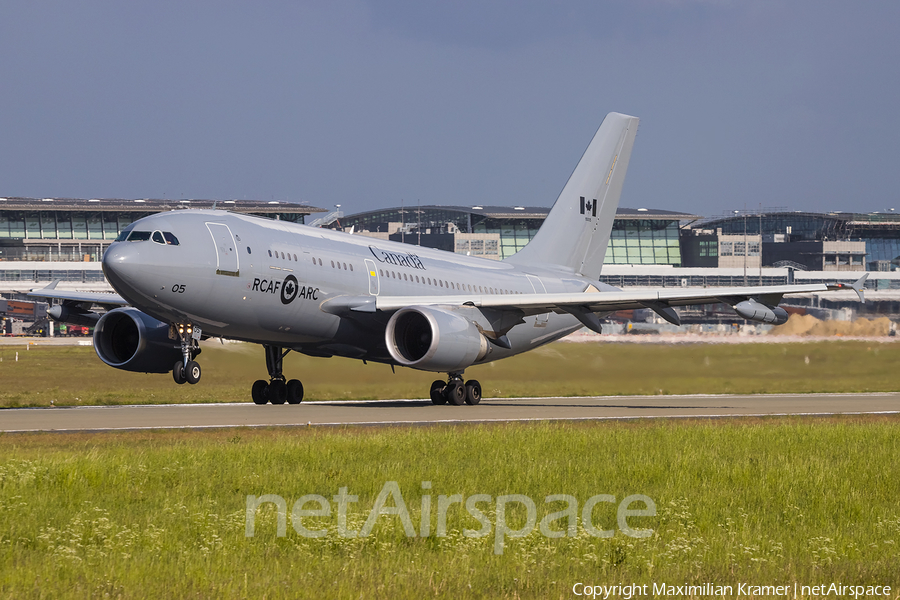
<point x="422" y="412"/>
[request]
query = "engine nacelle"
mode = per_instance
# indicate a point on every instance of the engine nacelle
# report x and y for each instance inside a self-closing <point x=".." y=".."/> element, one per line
<point x="434" y="339"/>
<point x="126" y="338"/>
<point x="756" y="311"/>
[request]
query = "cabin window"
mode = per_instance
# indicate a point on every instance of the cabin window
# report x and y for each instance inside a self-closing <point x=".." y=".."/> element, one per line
<point x="248" y="250"/>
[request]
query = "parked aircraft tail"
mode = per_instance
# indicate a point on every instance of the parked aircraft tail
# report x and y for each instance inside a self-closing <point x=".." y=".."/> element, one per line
<point x="576" y="232"/>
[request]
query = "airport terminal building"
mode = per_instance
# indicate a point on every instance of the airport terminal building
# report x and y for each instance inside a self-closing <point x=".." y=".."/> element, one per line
<point x="44" y="239"/>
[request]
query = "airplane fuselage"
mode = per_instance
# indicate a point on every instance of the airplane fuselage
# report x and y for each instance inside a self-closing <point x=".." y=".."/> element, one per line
<point x="266" y="281"/>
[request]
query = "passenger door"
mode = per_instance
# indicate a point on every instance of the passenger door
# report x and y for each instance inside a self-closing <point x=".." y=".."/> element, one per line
<point x="226" y="249"/>
<point x="373" y="277"/>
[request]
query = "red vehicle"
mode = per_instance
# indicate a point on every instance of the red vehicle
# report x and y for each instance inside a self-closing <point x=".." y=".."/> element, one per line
<point x="76" y="330"/>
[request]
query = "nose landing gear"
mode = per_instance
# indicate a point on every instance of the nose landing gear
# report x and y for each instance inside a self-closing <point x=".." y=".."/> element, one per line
<point x="455" y="391"/>
<point x="186" y="370"/>
<point x="276" y="390"/>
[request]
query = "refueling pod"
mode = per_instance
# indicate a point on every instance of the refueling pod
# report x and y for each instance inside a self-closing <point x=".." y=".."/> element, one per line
<point x="126" y="338"/>
<point x="434" y="339"/>
<point x="74" y="314"/>
<point x="757" y="311"/>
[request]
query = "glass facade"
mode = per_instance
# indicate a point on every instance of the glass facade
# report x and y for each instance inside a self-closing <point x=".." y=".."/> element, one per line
<point x="33" y="231"/>
<point x="644" y="242"/>
<point x="65" y="225"/>
<point x="35" y="275"/>
<point x="647" y="241"/>
<point x="514" y="233"/>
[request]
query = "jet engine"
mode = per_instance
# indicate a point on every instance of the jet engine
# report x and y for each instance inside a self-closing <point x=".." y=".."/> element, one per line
<point x="126" y="338"/>
<point x="434" y="339"/>
<point x="757" y="311"/>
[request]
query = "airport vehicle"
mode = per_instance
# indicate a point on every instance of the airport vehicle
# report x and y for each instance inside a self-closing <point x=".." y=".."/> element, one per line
<point x="190" y="274"/>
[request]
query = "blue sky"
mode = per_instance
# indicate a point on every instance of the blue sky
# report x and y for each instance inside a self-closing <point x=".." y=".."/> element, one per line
<point x="365" y="104"/>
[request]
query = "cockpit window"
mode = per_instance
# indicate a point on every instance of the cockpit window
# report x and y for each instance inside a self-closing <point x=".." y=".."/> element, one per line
<point x="123" y="235"/>
<point x="170" y="239"/>
<point x="158" y="237"/>
<point x="139" y="236"/>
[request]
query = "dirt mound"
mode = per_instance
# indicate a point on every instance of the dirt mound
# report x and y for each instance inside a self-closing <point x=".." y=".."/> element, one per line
<point x="809" y="325"/>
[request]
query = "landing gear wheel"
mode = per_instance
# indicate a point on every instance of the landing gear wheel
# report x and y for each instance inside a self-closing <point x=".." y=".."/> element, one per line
<point x="178" y="373"/>
<point x="437" y="392"/>
<point x="473" y="392"/>
<point x="260" y="392"/>
<point x="455" y="393"/>
<point x="277" y="392"/>
<point x="294" y="391"/>
<point x="192" y="372"/>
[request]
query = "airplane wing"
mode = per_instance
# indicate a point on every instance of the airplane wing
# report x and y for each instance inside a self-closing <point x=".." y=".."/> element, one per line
<point x="99" y="298"/>
<point x="75" y="307"/>
<point x="752" y="302"/>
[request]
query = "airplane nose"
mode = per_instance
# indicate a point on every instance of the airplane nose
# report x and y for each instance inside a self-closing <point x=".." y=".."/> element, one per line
<point x="119" y="264"/>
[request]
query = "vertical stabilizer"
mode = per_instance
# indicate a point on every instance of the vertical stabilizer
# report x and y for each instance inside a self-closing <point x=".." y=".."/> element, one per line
<point x="576" y="232"/>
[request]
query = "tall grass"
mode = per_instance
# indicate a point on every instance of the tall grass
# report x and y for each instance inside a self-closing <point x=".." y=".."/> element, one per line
<point x="162" y="514"/>
<point x="73" y="376"/>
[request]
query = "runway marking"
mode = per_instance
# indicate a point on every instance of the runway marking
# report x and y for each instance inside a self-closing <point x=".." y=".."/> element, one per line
<point x="310" y="424"/>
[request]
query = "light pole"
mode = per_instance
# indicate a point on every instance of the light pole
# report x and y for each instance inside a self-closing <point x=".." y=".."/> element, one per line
<point x="737" y="212"/>
<point x="760" y="246"/>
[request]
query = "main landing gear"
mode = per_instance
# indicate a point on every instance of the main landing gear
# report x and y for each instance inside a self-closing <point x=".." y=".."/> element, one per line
<point x="276" y="390"/>
<point x="187" y="370"/>
<point x="455" y="391"/>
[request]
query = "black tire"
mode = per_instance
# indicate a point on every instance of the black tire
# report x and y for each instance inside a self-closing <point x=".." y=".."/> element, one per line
<point x="277" y="392"/>
<point x="473" y="392"/>
<point x="455" y="393"/>
<point x="178" y="373"/>
<point x="260" y="392"/>
<point x="437" y="392"/>
<point x="192" y="372"/>
<point x="294" y="391"/>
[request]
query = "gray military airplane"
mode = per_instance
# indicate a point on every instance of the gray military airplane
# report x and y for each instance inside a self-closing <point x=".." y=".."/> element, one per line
<point x="186" y="275"/>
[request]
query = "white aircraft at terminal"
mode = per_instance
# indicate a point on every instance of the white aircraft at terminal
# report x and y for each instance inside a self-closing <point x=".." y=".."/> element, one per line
<point x="186" y="275"/>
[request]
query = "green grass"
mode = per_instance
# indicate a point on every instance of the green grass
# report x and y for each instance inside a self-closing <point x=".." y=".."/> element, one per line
<point x="74" y="375"/>
<point x="162" y="514"/>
